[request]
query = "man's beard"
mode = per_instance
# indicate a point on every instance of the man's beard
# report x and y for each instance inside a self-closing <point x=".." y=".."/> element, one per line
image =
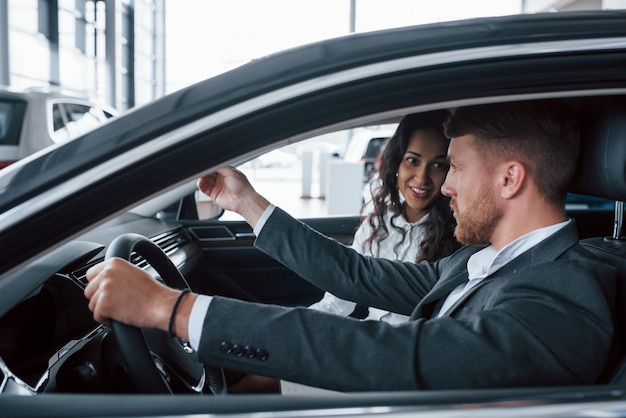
<point x="476" y="224"/>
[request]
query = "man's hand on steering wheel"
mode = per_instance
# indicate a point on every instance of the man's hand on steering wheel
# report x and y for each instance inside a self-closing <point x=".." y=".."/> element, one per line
<point x="120" y="291"/>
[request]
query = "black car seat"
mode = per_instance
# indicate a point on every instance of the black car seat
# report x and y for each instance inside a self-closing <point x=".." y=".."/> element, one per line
<point x="602" y="172"/>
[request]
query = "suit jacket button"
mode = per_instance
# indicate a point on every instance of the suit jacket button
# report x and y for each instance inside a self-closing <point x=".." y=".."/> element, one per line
<point x="226" y="347"/>
<point x="249" y="351"/>
<point x="237" y="350"/>
<point x="262" y="354"/>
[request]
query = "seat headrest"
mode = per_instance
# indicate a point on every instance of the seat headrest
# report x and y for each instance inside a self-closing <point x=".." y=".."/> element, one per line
<point x="601" y="167"/>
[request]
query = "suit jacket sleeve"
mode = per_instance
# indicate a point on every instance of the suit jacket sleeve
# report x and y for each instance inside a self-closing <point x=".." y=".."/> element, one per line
<point x="386" y="284"/>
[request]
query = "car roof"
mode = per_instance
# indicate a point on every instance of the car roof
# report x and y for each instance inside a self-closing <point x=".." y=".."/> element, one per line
<point x="42" y="95"/>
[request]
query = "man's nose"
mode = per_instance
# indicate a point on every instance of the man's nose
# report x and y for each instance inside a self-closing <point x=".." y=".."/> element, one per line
<point x="446" y="188"/>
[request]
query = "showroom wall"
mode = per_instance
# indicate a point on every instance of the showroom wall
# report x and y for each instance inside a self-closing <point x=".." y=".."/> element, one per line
<point x="110" y="51"/>
<point x="114" y="51"/>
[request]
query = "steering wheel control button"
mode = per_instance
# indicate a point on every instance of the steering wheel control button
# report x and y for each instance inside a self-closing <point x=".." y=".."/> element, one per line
<point x="185" y="345"/>
<point x="161" y="367"/>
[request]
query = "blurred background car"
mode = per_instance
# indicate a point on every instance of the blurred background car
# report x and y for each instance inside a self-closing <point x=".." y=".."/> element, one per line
<point x="31" y="120"/>
<point x="365" y="146"/>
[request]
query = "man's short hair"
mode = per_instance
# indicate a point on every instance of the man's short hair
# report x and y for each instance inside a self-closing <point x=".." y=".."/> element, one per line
<point x="544" y="135"/>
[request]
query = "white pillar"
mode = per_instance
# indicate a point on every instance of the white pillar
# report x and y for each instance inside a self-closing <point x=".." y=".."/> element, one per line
<point x="344" y="187"/>
<point x="307" y="174"/>
<point x="324" y="159"/>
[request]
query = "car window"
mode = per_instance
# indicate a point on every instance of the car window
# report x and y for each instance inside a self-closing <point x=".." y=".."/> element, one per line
<point x="368" y="141"/>
<point x="582" y="202"/>
<point x="328" y="176"/>
<point x="73" y="119"/>
<point x="309" y="179"/>
<point x="375" y="146"/>
<point x="81" y="118"/>
<point x="59" y="123"/>
<point x="11" y="116"/>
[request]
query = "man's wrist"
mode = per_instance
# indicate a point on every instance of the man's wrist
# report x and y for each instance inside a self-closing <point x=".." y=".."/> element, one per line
<point x="180" y="321"/>
<point x="253" y="211"/>
<point x="263" y="219"/>
<point x="177" y="302"/>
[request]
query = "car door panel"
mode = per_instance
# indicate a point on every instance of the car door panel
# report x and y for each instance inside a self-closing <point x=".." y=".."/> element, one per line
<point x="231" y="265"/>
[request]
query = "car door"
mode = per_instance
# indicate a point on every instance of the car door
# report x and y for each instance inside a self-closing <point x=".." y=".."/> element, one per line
<point x="231" y="265"/>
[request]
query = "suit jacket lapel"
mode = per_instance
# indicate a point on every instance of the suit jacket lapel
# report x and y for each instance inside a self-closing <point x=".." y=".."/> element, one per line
<point x="547" y="250"/>
<point x="520" y="262"/>
<point x="441" y="289"/>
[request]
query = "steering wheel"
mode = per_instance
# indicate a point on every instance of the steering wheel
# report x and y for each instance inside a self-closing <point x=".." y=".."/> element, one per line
<point x="151" y="356"/>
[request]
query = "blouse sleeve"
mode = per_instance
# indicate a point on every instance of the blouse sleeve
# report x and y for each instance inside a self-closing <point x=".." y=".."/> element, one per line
<point x="331" y="303"/>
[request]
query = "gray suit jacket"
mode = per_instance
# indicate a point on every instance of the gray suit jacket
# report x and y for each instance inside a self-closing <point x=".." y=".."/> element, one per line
<point x="543" y="319"/>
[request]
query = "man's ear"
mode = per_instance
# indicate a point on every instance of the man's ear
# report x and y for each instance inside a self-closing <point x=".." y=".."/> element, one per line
<point x="513" y="178"/>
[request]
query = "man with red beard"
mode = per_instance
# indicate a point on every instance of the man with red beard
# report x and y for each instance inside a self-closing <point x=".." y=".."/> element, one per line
<point x="521" y="304"/>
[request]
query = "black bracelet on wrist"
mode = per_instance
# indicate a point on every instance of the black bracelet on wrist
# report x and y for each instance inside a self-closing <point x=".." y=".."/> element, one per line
<point x="173" y="314"/>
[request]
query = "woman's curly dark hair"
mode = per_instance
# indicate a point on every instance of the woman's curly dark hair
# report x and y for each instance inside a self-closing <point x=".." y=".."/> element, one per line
<point x="438" y="240"/>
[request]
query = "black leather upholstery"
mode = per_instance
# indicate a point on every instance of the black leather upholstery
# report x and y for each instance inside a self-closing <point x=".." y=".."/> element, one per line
<point x="613" y="251"/>
<point x="601" y="172"/>
<point x="601" y="168"/>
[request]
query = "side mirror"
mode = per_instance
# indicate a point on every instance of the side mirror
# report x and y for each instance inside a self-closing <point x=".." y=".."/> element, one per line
<point x="207" y="208"/>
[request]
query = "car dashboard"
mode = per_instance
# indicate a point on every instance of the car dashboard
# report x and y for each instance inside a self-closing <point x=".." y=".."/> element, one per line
<point x="50" y="341"/>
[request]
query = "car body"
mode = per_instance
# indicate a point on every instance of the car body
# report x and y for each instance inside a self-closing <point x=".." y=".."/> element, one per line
<point x="365" y="147"/>
<point x="33" y="119"/>
<point x="136" y="174"/>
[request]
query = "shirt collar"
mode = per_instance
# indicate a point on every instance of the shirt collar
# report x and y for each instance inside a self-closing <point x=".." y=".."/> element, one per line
<point x="488" y="260"/>
<point x="401" y="221"/>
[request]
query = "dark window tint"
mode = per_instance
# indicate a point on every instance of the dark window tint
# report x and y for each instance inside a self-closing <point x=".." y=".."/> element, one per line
<point x="11" y="117"/>
<point x="579" y="201"/>
<point x="59" y="122"/>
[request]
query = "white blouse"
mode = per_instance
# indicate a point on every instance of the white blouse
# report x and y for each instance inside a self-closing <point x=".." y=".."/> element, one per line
<point x="406" y="251"/>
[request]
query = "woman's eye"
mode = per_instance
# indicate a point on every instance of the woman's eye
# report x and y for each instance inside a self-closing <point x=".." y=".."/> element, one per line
<point x="441" y="166"/>
<point x="412" y="160"/>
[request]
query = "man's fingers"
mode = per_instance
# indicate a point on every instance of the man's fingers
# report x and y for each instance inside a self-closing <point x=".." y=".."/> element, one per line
<point x="207" y="183"/>
<point x="94" y="271"/>
<point x="95" y="307"/>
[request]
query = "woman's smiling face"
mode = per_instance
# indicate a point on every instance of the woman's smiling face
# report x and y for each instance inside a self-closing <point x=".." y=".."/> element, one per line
<point x="422" y="172"/>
